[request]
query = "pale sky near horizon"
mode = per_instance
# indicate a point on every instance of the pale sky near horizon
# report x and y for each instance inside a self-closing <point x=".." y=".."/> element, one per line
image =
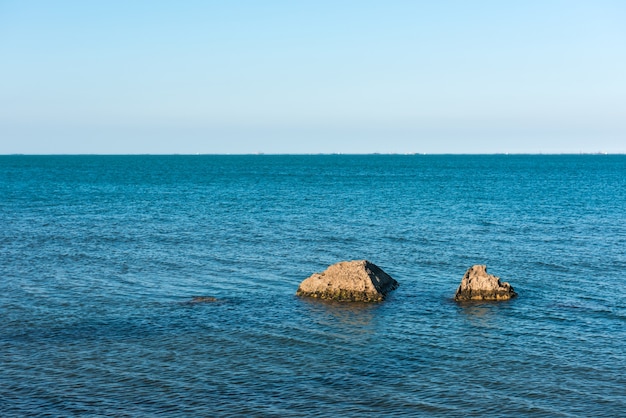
<point x="117" y="77"/>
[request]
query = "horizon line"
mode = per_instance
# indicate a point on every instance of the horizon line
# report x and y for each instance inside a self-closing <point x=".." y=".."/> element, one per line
<point x="314" y="153"/>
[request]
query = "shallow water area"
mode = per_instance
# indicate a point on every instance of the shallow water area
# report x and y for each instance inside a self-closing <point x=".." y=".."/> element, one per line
<point x="102" y="255"/>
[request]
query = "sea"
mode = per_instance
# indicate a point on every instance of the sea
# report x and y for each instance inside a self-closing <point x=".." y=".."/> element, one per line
<point x="101" y="258"/>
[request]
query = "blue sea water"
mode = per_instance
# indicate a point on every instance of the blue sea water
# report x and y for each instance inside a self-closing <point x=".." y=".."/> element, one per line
<point x="100" y="257"/>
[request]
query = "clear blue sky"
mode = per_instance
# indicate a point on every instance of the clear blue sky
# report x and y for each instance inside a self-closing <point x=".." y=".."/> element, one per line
<point x="312" y="76"/>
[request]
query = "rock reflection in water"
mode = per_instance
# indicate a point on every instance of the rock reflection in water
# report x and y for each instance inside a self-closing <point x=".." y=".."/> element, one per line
<point x="345" y="318"/>
<point x="484" y="314"/>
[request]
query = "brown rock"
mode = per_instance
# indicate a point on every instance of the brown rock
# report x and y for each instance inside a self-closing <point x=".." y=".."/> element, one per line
<point x="203" y="299"/>
<point x="355" y="281"/>
<point x="478" y="285"/>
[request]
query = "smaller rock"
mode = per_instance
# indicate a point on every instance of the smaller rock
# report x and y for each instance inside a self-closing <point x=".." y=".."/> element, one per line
<point x="354" y="281"/>
<point x="478" y="285"/>
<point x="203" y="299"/>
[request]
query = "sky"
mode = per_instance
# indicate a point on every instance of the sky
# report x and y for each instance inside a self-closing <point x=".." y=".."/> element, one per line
<point x="341" y="76"/>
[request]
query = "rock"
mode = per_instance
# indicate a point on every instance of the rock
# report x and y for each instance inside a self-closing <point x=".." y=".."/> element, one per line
<point x="354" y="281"/>
<point x="478" y="285"/>
<point x="203" y="299"/>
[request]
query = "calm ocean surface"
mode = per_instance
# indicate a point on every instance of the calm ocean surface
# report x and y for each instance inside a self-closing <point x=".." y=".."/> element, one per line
<point x="101" y="255"/>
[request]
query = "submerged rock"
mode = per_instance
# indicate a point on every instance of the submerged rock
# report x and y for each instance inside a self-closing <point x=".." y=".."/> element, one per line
<point x="354" y="281"/>
<point x="203" y="299"/>
<point x="478" y="285"/>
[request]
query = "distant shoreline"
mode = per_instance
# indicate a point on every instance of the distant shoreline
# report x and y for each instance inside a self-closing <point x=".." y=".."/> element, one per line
<point x="260" y="154"/>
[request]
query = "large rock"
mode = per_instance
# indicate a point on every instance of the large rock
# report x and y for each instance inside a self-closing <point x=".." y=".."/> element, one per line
<point x="478" y="285"/>
<point x="355" y="281"/>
